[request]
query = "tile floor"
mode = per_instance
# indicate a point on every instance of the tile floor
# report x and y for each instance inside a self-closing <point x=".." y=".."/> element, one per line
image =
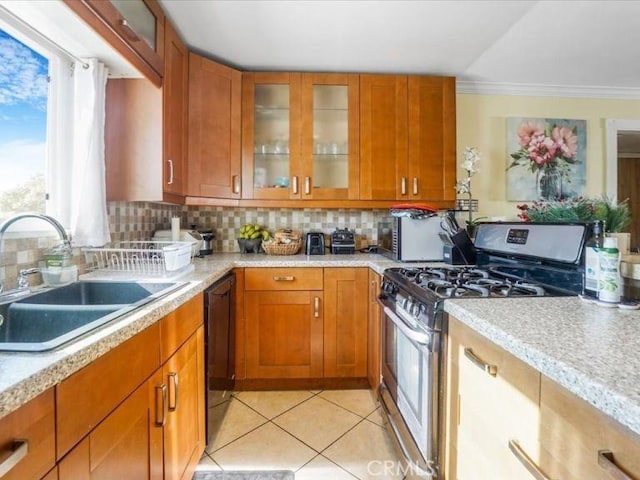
<point x="330" y="434"/>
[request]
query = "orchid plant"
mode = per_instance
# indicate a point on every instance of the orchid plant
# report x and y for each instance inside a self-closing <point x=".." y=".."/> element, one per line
<point x="463" y="187"/>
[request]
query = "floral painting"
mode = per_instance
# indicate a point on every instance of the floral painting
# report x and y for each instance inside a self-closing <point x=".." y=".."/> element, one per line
<point x="546" y="158"/>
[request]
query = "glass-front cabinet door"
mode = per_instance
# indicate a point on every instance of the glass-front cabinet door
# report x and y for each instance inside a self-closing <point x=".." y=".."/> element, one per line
<point x="271" y="138"/>
<point x="330" y="136"/>
<point x="300" y="136"/>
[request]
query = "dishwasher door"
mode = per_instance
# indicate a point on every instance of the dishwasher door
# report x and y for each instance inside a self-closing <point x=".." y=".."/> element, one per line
<point x="219" y="307"/>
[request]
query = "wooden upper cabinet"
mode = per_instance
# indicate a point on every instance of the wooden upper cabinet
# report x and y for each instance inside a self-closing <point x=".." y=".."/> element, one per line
<point x="431" y="173"/>
<point x="271" y="135"/>
<point x="175" y="113"/>
<point x="384" y="136"/>
<point x="214" y="162"/>
<point x="330" y="142"/>
<point x="300" y="136"/>
<point x="408" y="134"/>
<point x="133" y="140"/>
<point x="135" y="28"/>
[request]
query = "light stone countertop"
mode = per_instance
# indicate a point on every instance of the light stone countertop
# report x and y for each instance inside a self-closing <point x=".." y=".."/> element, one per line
<point x="593" y="352"/>
<point x="24" y="375"/>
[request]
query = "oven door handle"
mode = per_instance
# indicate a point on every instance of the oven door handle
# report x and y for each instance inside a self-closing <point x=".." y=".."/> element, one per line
<point x="418" y="337"/>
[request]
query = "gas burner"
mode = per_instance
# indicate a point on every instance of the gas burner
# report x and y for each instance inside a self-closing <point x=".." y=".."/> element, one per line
<point x="507" y="288"/>
<point x="469" y="290"/>
<point x="440" y="287"/>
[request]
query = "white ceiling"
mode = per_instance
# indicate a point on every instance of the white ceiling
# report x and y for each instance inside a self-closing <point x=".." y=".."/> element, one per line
<point x="586" y="47"/>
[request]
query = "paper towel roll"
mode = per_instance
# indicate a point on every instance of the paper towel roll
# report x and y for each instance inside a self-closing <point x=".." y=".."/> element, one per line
<point x="175" y="229"/>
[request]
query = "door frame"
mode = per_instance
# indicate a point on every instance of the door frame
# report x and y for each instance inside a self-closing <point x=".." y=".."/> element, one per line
<point x="612" y="127"/>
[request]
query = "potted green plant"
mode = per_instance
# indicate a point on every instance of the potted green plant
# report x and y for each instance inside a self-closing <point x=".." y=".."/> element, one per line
<point x="615" y="215"/>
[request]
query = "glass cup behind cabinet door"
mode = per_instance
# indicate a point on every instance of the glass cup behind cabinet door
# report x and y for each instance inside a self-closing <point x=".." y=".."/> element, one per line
<point x="331" y="136"/>
<point x="271" y="148"/>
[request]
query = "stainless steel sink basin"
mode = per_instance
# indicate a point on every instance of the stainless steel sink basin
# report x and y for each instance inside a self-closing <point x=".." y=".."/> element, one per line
<point x="46" y="320"/>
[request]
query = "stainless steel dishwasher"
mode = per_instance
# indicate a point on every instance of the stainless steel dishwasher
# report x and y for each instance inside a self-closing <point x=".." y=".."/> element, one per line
<point x="219" y="301"/>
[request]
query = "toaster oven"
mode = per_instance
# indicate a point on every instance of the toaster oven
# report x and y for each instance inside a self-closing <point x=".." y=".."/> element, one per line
<point x="407" y="239"/>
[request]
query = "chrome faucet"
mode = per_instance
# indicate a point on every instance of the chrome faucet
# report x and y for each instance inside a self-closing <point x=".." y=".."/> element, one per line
<point x="64" y="244"/>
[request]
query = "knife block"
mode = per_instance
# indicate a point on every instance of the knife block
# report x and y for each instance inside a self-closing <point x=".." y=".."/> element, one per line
<point x="462" y="252"/>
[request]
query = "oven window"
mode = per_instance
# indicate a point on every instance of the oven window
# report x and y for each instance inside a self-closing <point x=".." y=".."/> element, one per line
<point x="410" y="375"/>
<point x="390" y="349"/>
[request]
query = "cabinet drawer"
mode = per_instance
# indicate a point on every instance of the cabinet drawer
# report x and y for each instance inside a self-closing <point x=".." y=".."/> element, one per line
<point x="179" y="325"/>
<point x="89" y="395"/>
<point x="283" y="279"/>
<point x="34" y="423"/>
<point x="572" y="433"/>
<point x="498" y="398"/>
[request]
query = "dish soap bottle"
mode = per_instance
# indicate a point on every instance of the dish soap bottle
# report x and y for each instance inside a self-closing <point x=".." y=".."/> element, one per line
<point x="609" y="273"/>
<point x="591" y="261"/>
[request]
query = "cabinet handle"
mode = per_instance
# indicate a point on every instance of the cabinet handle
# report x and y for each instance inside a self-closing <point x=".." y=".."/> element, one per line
<point x="170" y="181"/>
<point x="295" y="185"/>
<point x="284" y="278"/>
<point x="374" y="289"/>
<point x="415" y="185"/>
<point x="235" y="180"/>
<point x="307" y="185"/>
<point x="608" y="464"/>
<point x="403" y="186"/>
<point x="19" y="450"/>
<point x="529" y="464"/>
<point x="173" y="376"/>
<point x="478" y="362"/>
<point x="129" y="32"/>
<point x="316" y="307"/>
<point x="161" y="398"/>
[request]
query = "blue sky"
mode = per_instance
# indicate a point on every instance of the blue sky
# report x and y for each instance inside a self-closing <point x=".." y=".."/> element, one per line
<point x="23" y="120"/>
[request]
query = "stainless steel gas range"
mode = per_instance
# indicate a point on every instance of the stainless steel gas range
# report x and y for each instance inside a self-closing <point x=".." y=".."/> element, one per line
<point x="514" y="260"/>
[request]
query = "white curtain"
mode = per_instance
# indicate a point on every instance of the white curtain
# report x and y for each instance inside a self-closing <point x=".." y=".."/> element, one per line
<point x="87" y="205"/>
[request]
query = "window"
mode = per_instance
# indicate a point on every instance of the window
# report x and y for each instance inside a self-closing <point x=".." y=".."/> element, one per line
<point x="24" y="94"/>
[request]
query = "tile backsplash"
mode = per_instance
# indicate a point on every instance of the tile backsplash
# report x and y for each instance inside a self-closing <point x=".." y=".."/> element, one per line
<point x="130" y="221"/>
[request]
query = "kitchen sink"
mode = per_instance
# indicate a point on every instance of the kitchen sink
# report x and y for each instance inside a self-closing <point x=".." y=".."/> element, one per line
<point x="97" y="293"/>
<point x="48" y="319"/>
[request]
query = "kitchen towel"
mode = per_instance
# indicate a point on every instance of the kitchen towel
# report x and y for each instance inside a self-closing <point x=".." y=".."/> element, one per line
<point x="246" y="475"/>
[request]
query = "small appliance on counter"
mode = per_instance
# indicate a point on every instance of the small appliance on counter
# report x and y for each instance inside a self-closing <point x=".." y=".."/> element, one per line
<point x="314" y="243"/>
<point x="405" y="239"/>
<point x="343" y="242"/>
<point x="207" y="240"/>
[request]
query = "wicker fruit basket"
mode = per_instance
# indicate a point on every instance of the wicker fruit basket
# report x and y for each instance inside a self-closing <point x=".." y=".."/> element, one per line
<point x="284" y="242"/>
<point x="274" y="248"/>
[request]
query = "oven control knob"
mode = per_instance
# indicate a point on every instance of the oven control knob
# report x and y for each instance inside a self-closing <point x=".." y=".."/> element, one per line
<point x="415" y="309"/>
<point x="389" y="288"/>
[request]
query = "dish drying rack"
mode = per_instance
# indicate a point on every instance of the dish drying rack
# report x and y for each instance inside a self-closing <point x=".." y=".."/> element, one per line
<point x="151" y="258"/>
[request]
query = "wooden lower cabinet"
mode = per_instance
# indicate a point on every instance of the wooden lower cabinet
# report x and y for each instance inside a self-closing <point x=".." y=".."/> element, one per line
<point x="345" y="322"/>
<point x="184" y="429"/>
<point x="374" y="323"/>
<point x="494" y="399"/>
<point x="575" y="436"/>
<point x="27" y="439"/>
<point x="306" y="323"/>
<point x="129" y="415"/>
<point x="126" y="444"/>
<point x="503" y="414"/>
<point x="284" y="334"/>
